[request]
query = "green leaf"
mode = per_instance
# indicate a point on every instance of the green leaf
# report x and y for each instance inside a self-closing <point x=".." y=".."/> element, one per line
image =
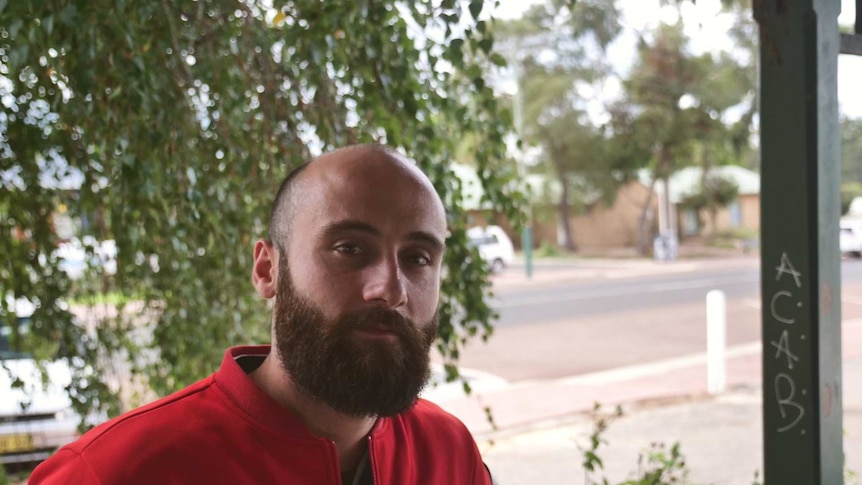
<point x="476" y="8"/>
<point x="486" y="44"/>
<point x="68" y="15"/>
<point x="18" y="56"/>
<point x="139" y="62"/>
<point x="15" y="27"/>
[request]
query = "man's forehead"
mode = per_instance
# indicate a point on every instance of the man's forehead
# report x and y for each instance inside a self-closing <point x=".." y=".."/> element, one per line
<point x="368" y="185"/>
<point x="362" y="160"/>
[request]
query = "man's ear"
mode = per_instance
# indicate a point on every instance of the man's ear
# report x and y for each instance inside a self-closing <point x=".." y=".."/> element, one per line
<point x="264" y="275"/>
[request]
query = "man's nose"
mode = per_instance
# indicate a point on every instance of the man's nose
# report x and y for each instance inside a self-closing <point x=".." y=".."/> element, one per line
<point x="385" y="284"/>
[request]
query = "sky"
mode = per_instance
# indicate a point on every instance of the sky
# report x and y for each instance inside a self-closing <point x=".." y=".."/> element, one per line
<point x="707" y="30"/>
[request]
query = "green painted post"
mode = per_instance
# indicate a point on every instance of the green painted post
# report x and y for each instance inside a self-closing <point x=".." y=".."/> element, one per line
<point x="527" y="245"/>
<point x="800" y="260"/>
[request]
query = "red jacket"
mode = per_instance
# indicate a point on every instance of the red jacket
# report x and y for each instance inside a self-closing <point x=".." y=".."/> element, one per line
<point x="223" y="429"/>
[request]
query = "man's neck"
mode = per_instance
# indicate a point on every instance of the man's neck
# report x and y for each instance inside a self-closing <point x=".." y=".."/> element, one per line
<point x="347" y="432"/>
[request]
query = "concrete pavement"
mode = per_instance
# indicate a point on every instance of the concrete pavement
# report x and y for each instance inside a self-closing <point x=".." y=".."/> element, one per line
<point x="720" y="438"/>
<point x="542" y="424"/>
<point x="550" y="271"/>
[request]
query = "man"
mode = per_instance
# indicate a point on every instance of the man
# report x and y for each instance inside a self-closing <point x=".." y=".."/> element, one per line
<point x="353" y="262"/>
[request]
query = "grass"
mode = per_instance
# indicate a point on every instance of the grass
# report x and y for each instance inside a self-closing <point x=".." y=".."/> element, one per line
<point x="110" y="298"/>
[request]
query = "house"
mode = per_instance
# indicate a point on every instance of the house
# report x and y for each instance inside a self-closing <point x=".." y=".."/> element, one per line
<point x="742" y="213"/>
<point x="616" y="225"/>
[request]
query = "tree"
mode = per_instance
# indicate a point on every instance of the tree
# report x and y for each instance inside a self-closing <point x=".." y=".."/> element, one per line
<point x="680" y="101"/>
<point x="557" y="50"/>
<point x="714" y="192"/>
<point x="179" y="119"/>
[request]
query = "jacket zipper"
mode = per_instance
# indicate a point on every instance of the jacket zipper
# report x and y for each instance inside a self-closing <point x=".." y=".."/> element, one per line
<point x="333" y="458"/>
<point x="372" y="462"/>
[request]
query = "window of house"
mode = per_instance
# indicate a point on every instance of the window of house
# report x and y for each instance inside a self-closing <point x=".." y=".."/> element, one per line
<point x="690" y="223"/>
<point x="735" y="211"/>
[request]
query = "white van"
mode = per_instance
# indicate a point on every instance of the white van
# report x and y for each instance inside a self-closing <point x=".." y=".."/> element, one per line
<point x="35" y="419"/>
<point x="850" y="238"/>
<point x="494" y="246"/>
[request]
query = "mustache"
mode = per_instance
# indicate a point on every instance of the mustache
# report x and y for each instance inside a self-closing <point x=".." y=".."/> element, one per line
<point x="377" y="318"/>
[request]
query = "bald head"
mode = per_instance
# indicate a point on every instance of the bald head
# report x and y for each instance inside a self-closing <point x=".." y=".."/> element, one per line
<point x="342" y="171"/>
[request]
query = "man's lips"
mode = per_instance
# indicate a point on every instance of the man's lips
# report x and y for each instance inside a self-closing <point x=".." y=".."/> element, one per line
<point x="378" y="331"/>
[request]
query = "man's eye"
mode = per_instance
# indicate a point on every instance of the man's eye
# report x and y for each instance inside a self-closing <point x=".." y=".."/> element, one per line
<point x="420" y="260"/>
<point x="351" y="249"/>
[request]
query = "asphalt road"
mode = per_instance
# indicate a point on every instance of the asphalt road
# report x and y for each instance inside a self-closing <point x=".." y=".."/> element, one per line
<point x="573" y="328"/>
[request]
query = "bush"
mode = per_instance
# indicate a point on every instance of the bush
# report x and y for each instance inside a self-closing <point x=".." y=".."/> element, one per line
<point x="548" y="250"/>
<point x="657" y="465"/>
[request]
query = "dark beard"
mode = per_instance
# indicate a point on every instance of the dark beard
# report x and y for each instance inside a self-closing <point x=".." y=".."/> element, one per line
<point x="354" y="376"/>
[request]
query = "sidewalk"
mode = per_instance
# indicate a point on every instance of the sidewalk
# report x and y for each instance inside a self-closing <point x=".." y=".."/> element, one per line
<point x="720" y="438"/>
<point x="549" y="271"/>
<point x="541" y="424"/>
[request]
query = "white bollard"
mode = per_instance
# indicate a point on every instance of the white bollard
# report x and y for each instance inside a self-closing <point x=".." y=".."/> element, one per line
<point x="716" y="336"/>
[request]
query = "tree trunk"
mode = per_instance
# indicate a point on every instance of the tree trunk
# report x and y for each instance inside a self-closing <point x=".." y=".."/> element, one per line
<point x="568" y="242"/>
<point x="713" y="216"/>
<point x="662" y="170"/>
<point x="643" y="222"/>
<point x="565" y="213"/>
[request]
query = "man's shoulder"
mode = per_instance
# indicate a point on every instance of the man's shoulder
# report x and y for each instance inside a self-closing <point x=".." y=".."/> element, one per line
<point x="169" y="413"/>
<point x="429" y="410"/>
<point x="136" y="442"/>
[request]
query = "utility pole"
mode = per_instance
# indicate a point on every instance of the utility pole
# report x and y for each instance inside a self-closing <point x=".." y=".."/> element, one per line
<point x="527" y="231"/>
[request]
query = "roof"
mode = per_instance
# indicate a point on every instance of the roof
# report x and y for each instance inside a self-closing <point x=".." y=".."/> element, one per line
<point x="544" y="189"/>
<point x="538" y="187"/>
<point x="686" y="181"/>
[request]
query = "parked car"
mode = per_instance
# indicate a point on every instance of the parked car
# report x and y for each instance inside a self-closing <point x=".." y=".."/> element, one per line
<point x="35" y="420"/>
<point x="494" y="246"/>
<point x="850" y="238"/>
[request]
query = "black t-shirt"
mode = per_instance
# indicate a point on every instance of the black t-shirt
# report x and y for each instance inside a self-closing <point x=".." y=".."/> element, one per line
<point x="362" y="475"/>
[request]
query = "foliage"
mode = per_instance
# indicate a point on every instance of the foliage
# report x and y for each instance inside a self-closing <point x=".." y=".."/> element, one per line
<point x="660" y="465"/>
<point x="657" y="465"/>
<point x="558" y="51"/>
<point x="850" y="476"/>
<point x="678" y="100"/>
<point x="548" y="250"/>
<point x="721" y="190"/>
<point x="592" y="463"/>
<point x="177" y="121"/>
<point x="738" y="233"/>
<point x="674" y="102"/>
<point x="714" y="192"/>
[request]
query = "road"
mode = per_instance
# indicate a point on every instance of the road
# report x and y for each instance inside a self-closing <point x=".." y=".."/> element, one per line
<point x="571" y="328"/>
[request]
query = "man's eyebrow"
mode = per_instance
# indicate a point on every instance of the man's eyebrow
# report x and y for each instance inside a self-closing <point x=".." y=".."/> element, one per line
<point x="359" y="226"/>
<point x="427" y="238"/>
<point x="350" y="225"/>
